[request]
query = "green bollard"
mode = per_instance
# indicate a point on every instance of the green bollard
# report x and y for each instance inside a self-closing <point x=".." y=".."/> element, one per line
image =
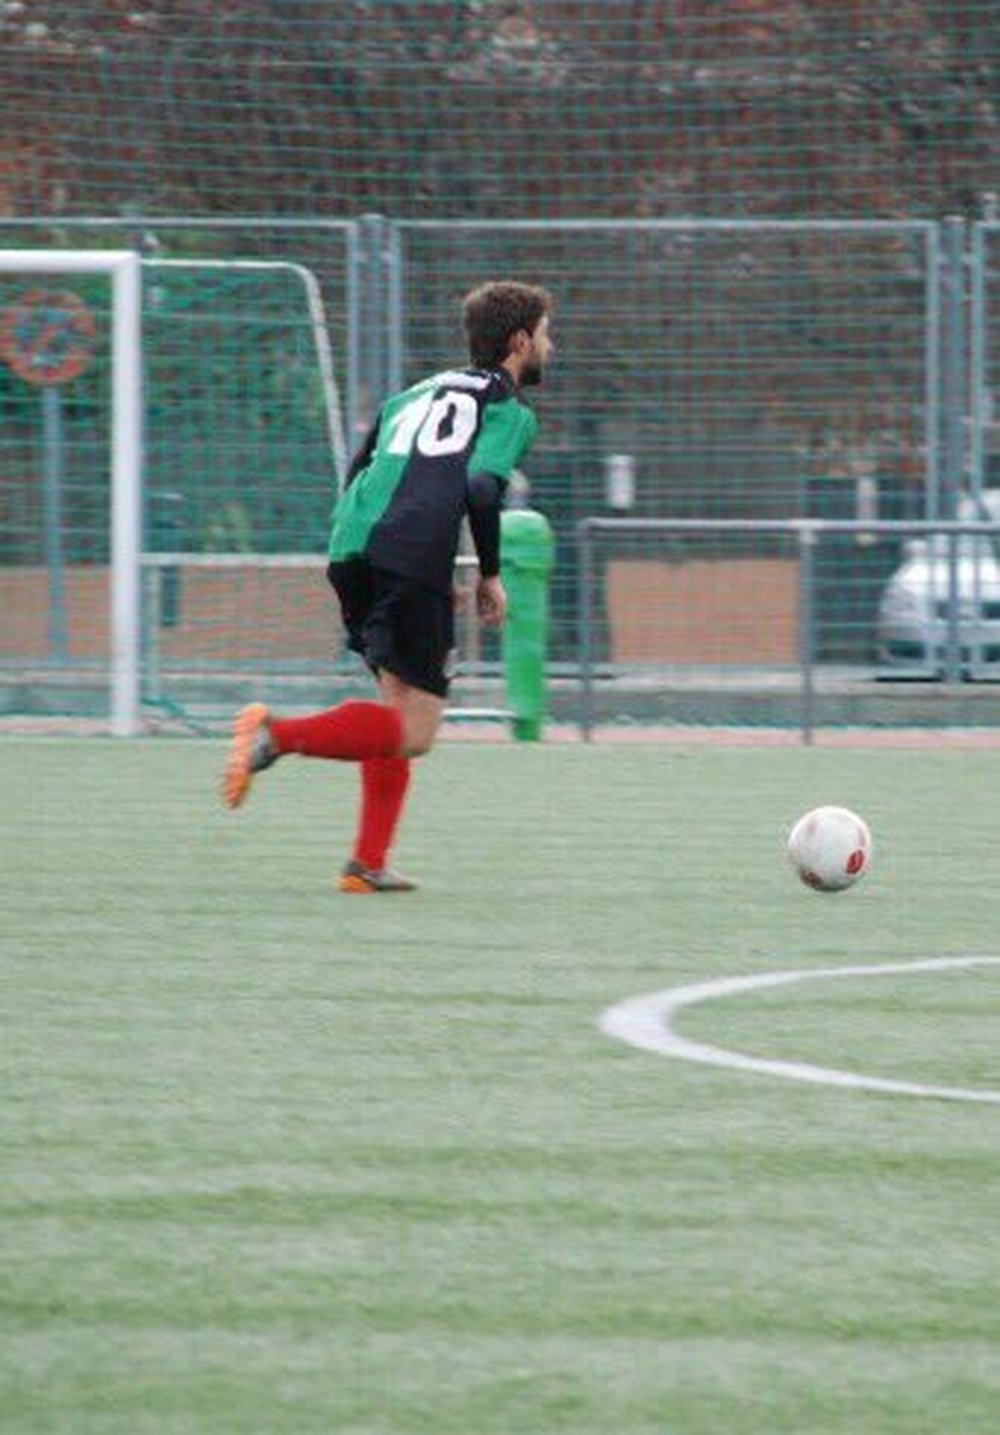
<point x="527" y="553"/>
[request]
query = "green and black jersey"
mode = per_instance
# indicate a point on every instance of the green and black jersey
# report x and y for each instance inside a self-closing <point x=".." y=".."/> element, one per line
<point x="408" y="490"/>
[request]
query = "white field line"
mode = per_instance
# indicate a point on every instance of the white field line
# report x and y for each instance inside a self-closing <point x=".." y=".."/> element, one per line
<point x="647" y="1022"/>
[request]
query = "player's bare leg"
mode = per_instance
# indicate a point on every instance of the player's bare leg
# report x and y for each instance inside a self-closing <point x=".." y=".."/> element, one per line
<point x="420" y="712"/>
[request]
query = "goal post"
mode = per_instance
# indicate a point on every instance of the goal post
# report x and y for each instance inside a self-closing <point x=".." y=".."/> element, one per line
<point x="123" y="268"/>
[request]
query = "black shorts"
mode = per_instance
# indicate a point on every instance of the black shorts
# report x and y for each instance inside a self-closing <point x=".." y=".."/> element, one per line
<point x="395" y="623"/>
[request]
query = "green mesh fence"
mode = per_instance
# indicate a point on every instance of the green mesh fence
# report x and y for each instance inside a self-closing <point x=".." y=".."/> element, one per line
<point x="768" y="228"/>
<point x="244" y="426"/>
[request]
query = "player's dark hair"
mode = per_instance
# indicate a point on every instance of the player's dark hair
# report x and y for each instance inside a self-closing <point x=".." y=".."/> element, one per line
<point x="493" y="313"/>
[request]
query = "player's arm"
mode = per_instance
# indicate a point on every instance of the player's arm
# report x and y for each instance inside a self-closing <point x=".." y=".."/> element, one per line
<point x="505" y="435"/>
<point x="484" y="500"/>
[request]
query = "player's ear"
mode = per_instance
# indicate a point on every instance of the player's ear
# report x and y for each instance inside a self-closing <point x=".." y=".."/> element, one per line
<point x="520" y="342"/>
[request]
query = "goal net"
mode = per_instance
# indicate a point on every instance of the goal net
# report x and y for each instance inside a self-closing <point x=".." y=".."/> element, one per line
<point x="172" y="442"/>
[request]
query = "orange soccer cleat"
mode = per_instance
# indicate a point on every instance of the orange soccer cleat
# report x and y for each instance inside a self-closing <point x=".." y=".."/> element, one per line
<point x="251" y="750"/>
<point x="356" y="878"/>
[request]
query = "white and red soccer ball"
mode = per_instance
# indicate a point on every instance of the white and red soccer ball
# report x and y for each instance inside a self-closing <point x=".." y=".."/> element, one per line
<point x="830" y="848"/>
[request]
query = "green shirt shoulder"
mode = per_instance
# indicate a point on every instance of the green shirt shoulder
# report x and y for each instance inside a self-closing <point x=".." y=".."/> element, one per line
<point x="507" y="431"/>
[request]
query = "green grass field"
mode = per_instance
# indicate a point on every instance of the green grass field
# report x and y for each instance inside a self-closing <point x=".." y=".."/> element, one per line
<point x="276" y="1159"/>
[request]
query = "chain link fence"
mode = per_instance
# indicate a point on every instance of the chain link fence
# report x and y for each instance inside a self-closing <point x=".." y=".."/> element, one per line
<point x="763" y="310"/>
<point x="490" y="108"/>
<point x="723" y="622"/>
<point x="738" y="369"/>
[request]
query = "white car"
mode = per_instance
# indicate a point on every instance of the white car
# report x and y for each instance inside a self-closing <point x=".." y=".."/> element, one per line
<point x="913" y="633"/>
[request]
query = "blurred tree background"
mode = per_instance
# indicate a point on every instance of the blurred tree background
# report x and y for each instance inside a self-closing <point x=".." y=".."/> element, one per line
<point x="419" y="108"/>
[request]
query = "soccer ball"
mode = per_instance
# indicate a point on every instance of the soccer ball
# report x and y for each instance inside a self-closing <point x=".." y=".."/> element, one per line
<point x="830" y="848"/>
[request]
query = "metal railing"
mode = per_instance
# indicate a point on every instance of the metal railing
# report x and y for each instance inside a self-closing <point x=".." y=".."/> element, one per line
<point x="806" y="535"/>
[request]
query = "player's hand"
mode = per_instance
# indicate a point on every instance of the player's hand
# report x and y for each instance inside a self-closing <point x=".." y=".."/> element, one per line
<point x="491" y="602"/>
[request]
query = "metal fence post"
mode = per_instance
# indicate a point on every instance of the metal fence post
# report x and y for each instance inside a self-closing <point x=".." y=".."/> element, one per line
<point x="371" y="334"/>
<point x="808" y="536"/>
<point x="585" y="622"/>
<point x="954" y="419"/>
<point x="932" y="373"/>
<point x="394" y="301"/>
<point x="979" y="394"/>
<point x="352" y="357"/>
<point x="52" y="482"/>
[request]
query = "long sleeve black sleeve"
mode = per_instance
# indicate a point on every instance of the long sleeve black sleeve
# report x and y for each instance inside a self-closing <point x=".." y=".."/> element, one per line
<point x="363" y="455"/>
<point x="484" y="500"/>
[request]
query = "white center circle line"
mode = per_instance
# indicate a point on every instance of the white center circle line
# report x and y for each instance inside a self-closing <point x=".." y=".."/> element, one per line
<point x="646" y="1022"/>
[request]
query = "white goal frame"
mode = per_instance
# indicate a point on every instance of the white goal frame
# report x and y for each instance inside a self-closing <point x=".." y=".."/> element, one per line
<point x="124" y="269"/>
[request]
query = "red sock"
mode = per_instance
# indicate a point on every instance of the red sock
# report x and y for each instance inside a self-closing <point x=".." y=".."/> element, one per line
<point x="351" y="732"/>
<point x="384" y="781"/>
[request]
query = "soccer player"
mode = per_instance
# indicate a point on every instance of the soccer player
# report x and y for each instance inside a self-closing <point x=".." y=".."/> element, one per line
<point x="441" y="450"/>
